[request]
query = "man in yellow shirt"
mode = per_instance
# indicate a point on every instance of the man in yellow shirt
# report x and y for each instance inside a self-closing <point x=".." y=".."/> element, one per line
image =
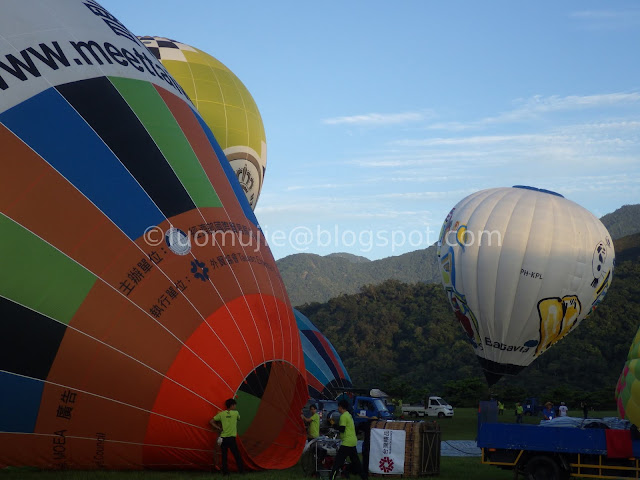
<point x="519" y="411"/>
<point x="348" y="443"/>
<point x="314" y="423"/>
<point x="229" y="421"/>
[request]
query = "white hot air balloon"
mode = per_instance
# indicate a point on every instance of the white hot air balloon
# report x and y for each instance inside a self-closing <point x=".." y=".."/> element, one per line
<point x="522" y="267"/>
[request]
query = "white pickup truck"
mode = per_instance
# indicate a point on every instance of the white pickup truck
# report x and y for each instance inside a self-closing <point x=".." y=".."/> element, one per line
<point x="436" y="407"/>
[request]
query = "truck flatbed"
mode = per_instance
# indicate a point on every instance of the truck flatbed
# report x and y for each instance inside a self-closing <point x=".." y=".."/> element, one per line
<point x="554" y="453"/>
<point x="542" y="439"/>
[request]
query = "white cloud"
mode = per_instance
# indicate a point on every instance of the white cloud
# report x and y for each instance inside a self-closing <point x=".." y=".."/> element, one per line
<point x="420" y="158"/>
<point x="329" y="210"/>
<point x="324" y="186"/>
<point x="604" y="14"/>
<point x="539" y="105"/>
<point x="607" y="19"/>
<point x="460" y="193"/>
<point x="420" y="177"/>
<point x="475" y="140"/>
<point x="614" y="141"/>
<point x="376" y="119"/>
<point x="627" y="127"/>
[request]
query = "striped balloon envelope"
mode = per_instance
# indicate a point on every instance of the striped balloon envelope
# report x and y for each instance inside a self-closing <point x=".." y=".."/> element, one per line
<point x="628" y="387"/>
<point x="137" y="293"/>
<point x="326" y="374"/>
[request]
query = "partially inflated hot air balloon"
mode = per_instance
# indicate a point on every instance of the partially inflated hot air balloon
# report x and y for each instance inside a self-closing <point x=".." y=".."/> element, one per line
<point x="326" y="374"/>
<point x="137" y="292"/>
<point x="225" y="105"/>
<point x="522" y="267"/>
<point x="628" y="387"/>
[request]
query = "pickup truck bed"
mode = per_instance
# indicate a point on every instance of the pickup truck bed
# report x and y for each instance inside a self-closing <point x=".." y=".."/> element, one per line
<point x="554" y="453"/>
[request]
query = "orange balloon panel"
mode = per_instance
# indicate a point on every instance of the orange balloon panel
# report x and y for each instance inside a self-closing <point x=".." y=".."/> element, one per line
<point x="137" y="291"/>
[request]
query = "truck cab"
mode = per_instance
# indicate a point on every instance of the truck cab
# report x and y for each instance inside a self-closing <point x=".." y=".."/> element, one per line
<point x="438" y="407"/>
<point x="366" y="408"/>
<point x="531" y="406"/>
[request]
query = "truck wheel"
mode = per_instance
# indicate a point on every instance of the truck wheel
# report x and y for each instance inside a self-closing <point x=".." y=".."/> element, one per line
<point x="542" y="468"/>
<point x="413" y="414"/>
<point x="440" y="414"/>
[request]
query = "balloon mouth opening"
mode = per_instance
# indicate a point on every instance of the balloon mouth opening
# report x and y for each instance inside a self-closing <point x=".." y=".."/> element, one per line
<point x="270" y="400"/>
<point x="494" y="371"/>
<point x="541" y="190"/>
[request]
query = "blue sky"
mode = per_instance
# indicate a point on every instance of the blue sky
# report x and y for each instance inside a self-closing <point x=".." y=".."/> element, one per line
<point x="380" y="116"/>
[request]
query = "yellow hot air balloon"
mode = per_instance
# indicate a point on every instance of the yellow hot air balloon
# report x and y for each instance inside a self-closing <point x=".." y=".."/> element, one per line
<point x="226" y="106"/>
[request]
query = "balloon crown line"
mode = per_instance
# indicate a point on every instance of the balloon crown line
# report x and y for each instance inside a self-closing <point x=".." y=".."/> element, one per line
<point x="543" y="190"/>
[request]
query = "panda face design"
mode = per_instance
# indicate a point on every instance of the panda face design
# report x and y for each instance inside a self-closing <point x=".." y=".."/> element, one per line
<point x="599" y="259"/>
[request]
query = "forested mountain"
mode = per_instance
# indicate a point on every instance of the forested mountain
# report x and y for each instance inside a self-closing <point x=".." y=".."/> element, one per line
<point x="314" y="278"/>
<point x="309" y="277"/>
<point x="624" y="221"/>
<point x="404" y="338"/>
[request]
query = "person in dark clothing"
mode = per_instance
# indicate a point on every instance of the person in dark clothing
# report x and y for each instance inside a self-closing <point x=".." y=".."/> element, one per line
<point x="366" y="444"/>
<point x="585" y="409"/>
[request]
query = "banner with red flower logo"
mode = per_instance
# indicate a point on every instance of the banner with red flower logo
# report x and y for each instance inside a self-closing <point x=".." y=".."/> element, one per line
<point x="386" y="454"/>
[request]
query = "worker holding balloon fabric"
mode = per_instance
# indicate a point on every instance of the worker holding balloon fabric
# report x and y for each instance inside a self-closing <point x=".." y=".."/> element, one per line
<point x="229" y="421"/>
<point x="314" y="423"/>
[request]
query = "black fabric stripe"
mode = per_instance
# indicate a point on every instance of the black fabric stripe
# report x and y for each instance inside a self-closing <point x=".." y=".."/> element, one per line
<point x="102" y="106"/>
<point x="256" y="381"/>
<point x="313" y="393"/>
<point x="155" y="51"/>
<point x="167" y="44"/>
<point x="317" y="344"/>
<point x="29" y="341"/>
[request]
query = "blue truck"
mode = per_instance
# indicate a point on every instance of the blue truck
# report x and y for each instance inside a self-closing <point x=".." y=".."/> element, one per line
<point x="531" y="406"/>
<point x="555" y="453"/>
<point x="366" y="407"/>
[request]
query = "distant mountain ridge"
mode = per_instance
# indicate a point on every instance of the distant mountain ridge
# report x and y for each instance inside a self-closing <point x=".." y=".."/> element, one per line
<point x="624" y="221"/>
<point x="315" y="278"/>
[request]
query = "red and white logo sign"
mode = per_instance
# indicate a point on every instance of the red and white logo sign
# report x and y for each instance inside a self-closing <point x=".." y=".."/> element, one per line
<point x="386" y="465"/>
<point x="386" y="452"/>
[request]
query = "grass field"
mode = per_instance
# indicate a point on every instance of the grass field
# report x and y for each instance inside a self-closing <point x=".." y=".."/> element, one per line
<point x="463" y="426"/>
<point x="451" y="468"/>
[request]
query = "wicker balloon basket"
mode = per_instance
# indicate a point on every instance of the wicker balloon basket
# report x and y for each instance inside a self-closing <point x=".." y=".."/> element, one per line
<point x="422" y="447"/>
